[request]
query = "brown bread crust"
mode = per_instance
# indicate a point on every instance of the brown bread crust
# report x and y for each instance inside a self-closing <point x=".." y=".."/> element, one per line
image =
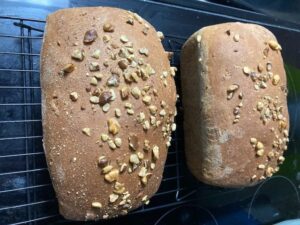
<point x="214" y="62"/>
<point x="73" y="126"/>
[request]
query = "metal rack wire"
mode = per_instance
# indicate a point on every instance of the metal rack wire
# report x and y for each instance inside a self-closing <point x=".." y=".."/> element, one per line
<point x="26" y="194"/>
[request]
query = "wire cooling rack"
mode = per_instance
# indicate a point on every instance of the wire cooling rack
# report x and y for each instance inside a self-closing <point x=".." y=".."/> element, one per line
<point x="26" y="193"/>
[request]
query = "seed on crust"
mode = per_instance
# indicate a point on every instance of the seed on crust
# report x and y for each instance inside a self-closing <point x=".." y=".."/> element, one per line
<point x="275" y="79"/>
<point x="90" y="36"/>
<point x="108" y="27"/>
<point x="113" y="126"/>
<point x="112" y="176"/>
<point x="74" y="96"/>
<point x="274" y="45"/>
<point x="68" y="68"/>
<point x="155" y="152"/>
<point x="78" y="54"/>
<point x="86" y="131"/>
<point x="96" y="205"/>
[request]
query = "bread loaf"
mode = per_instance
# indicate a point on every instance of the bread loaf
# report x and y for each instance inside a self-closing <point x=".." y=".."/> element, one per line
<point x="235" y="108"/>
<point x="108" y="104"/>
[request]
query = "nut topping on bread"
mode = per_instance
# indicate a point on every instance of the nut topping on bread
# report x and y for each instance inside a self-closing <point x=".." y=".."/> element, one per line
<point x="114" y="113"/>
<point x="240" y="75"/>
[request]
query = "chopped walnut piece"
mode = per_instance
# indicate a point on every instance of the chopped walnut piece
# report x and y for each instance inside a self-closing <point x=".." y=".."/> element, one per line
<point x="134" y="159"/>
<point x="260" y="152"/>
<point x="128" y="105"/>
<point x="124" y="93"/>
<point x="118" y="113"/>
<point x="96" y="54"/>
<point x="124" y="39"/>
<point x="78" y="54"/>
<point x="147" y="99"/>
<point x="246" y="70"/>
<point x="113" y="198"/>
<point x="113" y="126"/>
<point x="94" y="66"/>
<point x="173" y="127"/>
<point x="155" y="152"/>
<point x="107" y="169"/>
<point x="253" y="141"/>
<point x="146" y="125"/>
<point x="173" y="71"/>
<point x="253" y="177"/>
<point x="114" y="81"/>
<point x="259" y="106"/>
<point x="90" y="36"/>
<point x="123" y="167"/>
<point x="108" y="27"/>
<point x="68" y="68"/>
<point x="104" y="137"/>
<point x="133" y="141"/>
<point x="123" y="64"/>
<point x="118" y="142"/>
<point x="259" y="145"/>
<point x="141" y="117"/>
<point x="137" y="17"/>
<point x="94" y="99"/>
<point x="106" y="107"/>
<point x="119" y="188"/>
<point x="152" y="109"/>
<point x="86" y="131"/>
<point x="261" y="166"/>
<point x="236" y="37"/>
<point x="146" y="145"/>
<point x="106" y="38"/>
<point x="269" y="171"/>
<point x="144" y="175"/>
<point x="96" y="205"/>
<point x="94" y="81"/>
<point x="144" y="51"/>
<point x="152" y="166"/>
<point x="130" y="20"/>
<point x="74" y="96"/>
<point x="274" y="45"/>
<point x="111" y="144"/>
<point x="281" y="159"/>
<point x="231" y="90"/>
<point x="276" y="79"/>
<point x="140" y="155"/>
<point x="152" y="120"/>
<point x="102" y="161"/>
<point x="160" y="35"/>
<point x="105" y="97"/>
<point x="260" y="67"/>
<point x="98" y="76"/>
<point x="130" y="111"/>
<point x="112" y="176"/>
<point x="136" y="92"/>
<point x="162" y="113"/>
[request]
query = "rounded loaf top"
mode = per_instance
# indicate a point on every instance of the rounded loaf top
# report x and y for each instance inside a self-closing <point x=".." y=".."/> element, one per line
<point x="108" y="105"/>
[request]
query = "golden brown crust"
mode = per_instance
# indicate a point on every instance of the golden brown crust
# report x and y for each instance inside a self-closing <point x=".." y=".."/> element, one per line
<point x="224" y="77"/>
<point x="76" y="129"/>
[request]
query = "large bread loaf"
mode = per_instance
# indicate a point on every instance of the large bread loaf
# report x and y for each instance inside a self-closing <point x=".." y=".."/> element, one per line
<point x="108" y="104"/>
<point x="235" y="108"/>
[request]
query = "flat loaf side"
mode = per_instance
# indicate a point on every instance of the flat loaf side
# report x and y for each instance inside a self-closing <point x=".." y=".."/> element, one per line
<point x="240" y="94"/>
<point x="108" y="104"/>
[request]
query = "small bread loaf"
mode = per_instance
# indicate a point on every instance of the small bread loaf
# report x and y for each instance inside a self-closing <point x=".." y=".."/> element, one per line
<point x="108" y="104"/>
<point x="235" y="108"/>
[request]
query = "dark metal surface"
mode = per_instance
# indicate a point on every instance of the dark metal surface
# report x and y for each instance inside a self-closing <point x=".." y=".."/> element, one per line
<point x="26" y="194"/>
